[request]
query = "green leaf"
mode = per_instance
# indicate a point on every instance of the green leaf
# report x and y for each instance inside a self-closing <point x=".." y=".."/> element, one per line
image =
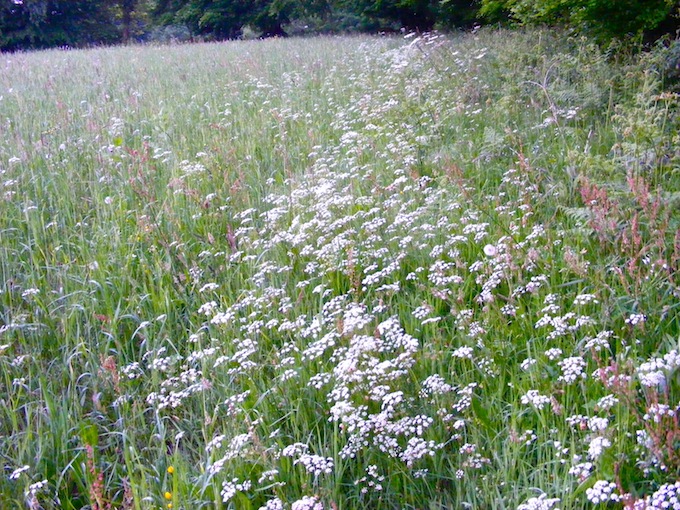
<point x="89" y="434"/>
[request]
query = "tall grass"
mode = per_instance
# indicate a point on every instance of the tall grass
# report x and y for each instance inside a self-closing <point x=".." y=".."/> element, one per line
<point x="431" y="272"/>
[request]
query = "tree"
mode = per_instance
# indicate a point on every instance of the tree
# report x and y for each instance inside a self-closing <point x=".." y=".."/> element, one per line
<point x="393" y="14"/>
<point x="220" y="19"/>
<point x="49" y="23"/>
<point x="127" y="8"/>
<point x="418" y="15"/>
<point x="14" y="23"/>
<point x="458" y="13"/>
<point x="270" y="16"/>
<point x="606" y="18"/>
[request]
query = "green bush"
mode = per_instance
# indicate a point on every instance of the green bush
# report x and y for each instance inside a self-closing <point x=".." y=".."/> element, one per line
<point x="604" y="18"/>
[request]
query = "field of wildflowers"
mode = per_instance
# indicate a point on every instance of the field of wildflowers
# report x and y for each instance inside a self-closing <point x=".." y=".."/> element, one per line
<point x="341" y="273"/>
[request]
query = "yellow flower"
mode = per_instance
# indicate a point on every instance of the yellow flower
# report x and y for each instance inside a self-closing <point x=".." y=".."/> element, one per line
<point x="171" y="469"/>
<point x="168" y="495"/>
<point x="169" y="505"/>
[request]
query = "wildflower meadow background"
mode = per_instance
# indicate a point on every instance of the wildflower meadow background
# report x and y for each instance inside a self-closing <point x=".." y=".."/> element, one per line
<point x="340" y="273"/>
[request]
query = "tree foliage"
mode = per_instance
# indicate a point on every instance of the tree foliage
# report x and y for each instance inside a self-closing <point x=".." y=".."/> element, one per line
<point x="28" y="24"/>
<point x="47" y="23"/>
<point x="605" y="18"/>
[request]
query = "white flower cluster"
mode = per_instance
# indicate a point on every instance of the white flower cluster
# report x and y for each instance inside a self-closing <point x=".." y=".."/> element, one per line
<point x="435" y="385"/>
<point x="273" y="504"/>
<point x="597" y="446"/>
<point x="315" y="464"/>
<point x="307" y="503"/>
<point x="636" y="318"/>
<point x="229" y="489"/>
<point x="416" y="449"/>
<point x="553" y="353"/>
<point x="572" y="369"/>
<point x="607" y="402"/>
<point x="656" y="412"/>
<point x="667" y="497"/>
<point x="653" y="372"/>
<point x="17" y="472"/>
<point x="543" y="502"/>
<point x="534" y="398"/>
<point x="584" y="299"/>
<point x="294" y="450"/>
<point x="581" y="471"/>
<point x="527" y="364"/>
<point x="599" y="342"/>
<point x="602" y="492"/>
<point x="214" y="443"/>
<point x="371" y="481"/>
<point x="175" y="390"/>
<point x="35" y="488"/>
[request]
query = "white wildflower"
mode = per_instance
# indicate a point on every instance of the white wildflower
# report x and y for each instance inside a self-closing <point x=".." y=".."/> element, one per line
<point x="602" y="492"/>
<point x="534" y="398"/>
<point x="540" y="503"/>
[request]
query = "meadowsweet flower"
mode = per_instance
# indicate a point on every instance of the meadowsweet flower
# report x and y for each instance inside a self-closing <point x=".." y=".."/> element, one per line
<point x="294" y="450"/>
<point x="273" y="504"/>
<point x="463" y="352"/>
<point x="17" y="472"/>
<point x="572" y="369"/>
<point x="307" y="503"/>
<point x="597" y="446"/>
<point x="540" y="503"/>
<point x="527" y="364"/>
<point x="581" y="471"/>
<point x="584" y="299"/>
<point x="417" y="448"/>
<point x="553" y="353"/>
<point x="35" y="488"/>
<point x="229" y="489"/>
<point x="665" y="497"/>
<point x="435" y="385"/>
<point x="422" y="311"/>
<point x="208" y="287"/>
<point x="656" y="412"/>
<point x="490" y="250"/>
<point x="132" y="370"/>
<point x="509" y="310"/>
<point x="215" y="443"/>
<point x="535" y="399"/>
<point x="600" y="342"/>
<point x="268" y="476"/>
<point x="597" y="424"/>
<point x="602" y="492"/>
<point x="651" y="373"/>
<point x="315" y="464"/>
<point x="527" y="437"/>
<point x="372" y="480"/>
<point x="606" y="403"/>
<point x="635" y="319"/>
<point x="651" y="379"/>
<point x="30" y="292"/>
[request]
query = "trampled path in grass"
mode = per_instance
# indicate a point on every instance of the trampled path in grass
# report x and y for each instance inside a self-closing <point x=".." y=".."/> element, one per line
<point x="421" y="272"/>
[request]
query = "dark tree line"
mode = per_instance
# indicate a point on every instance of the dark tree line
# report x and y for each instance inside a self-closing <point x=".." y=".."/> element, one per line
<point x="27" y="24"/>
<point x="48" y="23"/>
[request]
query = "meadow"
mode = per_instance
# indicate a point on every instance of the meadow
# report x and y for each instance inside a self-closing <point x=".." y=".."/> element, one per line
<point x="419" y="272"/>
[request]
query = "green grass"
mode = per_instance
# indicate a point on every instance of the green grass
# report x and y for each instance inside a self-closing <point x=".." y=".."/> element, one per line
<point x="382" y="256"/>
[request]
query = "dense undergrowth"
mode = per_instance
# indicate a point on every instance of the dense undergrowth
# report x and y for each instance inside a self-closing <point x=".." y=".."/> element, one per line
<point x="431" y="272"/>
